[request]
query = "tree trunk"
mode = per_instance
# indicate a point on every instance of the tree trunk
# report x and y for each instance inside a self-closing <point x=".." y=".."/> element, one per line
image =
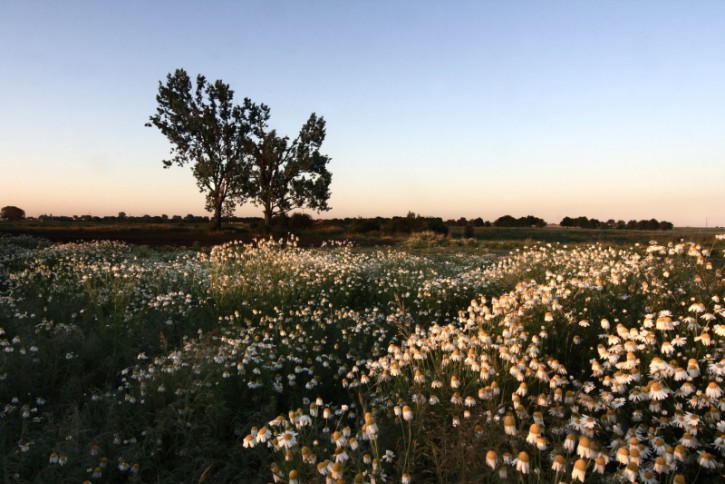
<point x="218" y="217"/>
<point x="268" y="219"/>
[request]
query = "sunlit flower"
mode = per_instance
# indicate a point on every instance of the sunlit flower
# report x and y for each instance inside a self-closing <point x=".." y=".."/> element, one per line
<point x="288" y="439"/>
<point x="509" y="425"/>
<point x="707" y="460"/>
<point x="522" y="463"/>
<point x="579" y="470"/>
<point x="491" y="459"/>
<point x="713" y="390"/>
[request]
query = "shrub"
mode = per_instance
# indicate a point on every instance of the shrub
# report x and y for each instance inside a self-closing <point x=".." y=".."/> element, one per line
<point x="12" y="213"/>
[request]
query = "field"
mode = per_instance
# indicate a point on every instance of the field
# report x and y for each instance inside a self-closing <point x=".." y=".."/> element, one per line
<point x="435" y="360"/>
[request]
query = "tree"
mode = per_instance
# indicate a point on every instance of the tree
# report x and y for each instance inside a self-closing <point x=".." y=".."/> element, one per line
<point x="12" y="213"/>
<point x="285" y="175"/>
<point x="208" y="130"/>
<point x="235" y="157"/>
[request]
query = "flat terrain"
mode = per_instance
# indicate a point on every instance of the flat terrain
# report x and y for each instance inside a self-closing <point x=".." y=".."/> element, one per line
<point x="200" y="235"/>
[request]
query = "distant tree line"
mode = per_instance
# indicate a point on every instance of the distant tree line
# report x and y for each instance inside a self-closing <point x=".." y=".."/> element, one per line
<point x="392" y="225"/>
<point x="592" y="223"/>
<point x="504" y="221"/>
<point x="387" y="225"/>
<point x="123" y="218"/>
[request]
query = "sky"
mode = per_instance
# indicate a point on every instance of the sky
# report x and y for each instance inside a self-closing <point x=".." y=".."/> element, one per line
<point x="609" y="109"/>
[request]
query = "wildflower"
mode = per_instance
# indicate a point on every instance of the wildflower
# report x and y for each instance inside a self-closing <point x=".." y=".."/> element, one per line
<point x="631" y="471"/>
<point x="688" y="441"/>
<point x="660" y="465"/>
<point x="599" y="464"/>
<point x="680" y="452"/>
<point x="324" y="467"/>
<point x="534" y="432"/>
<point x="557" y="464"/>
<point x="53" y="458"/>
<point x="491" y="459"/>
<point x="263" y="435"/>
<point x="570" y="443"/>
<point x="307" y="456"/>
<point x="405" y="478"/>
<point x="707" y="460"/>
<point x="693" y="368"/>
<point x="248" y="441"/>
<point x="371" y="428"/>
<point x="338" y="439"/>
<point x="579" y="471"/>
<point x="582" y="448"/>
<point x="680" y="374"/>
<point x="288" y="439"/>
<point x="509" y="425"/>
<point x="656" y="392"/>
<point x="341" y="456"/>
<point x="622" y="456"/>
<point x="407" y="413"/>
<point x="647" y="477"/>
<point x="713" y="390"/>
<point x="522" y="463"/>
<point x="419" y="378"/>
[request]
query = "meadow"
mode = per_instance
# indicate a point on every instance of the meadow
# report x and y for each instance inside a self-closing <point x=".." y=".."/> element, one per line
<point x="433" y="361"/>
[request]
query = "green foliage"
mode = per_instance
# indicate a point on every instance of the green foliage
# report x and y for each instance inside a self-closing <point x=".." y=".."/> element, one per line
<point x="205" y="128"/>
<point x="528" y="221"/>
<point x="12" y="213"/>
<point x="122" y="363"/>
<point x="285" y="175"/>
<point x="235" y="157"/>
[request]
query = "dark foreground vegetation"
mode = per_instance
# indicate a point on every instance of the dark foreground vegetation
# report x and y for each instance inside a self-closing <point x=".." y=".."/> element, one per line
<point x="433" y="361"/>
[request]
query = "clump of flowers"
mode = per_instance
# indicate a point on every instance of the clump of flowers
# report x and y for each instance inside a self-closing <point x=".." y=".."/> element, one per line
<point x="606" y="365"/>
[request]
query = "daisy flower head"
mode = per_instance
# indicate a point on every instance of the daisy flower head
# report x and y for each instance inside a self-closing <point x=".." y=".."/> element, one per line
<point x="522" y="463"/>
<point x="491" y="459"/>
<point x="578" y="473"/>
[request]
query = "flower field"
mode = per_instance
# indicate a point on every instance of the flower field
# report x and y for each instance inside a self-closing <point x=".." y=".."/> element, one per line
<point x="267" y="362"/>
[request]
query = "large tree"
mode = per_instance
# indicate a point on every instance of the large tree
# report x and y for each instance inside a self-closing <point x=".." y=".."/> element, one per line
<point x="207" y="130"/>
<point x="285" y="175"/>
<point x="235" y="157"/>
<point x="12" y="213"/>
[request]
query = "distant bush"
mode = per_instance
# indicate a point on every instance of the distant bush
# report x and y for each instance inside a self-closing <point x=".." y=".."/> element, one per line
<point x="364" y="225"/>
<point x="12" y="213"/>
<point x="528" y="221"/>
<point x="300" y="221"/>
<point x="415" y="223"/>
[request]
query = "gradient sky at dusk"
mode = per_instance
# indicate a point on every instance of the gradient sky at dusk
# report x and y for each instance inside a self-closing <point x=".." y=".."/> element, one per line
<point x="606" y="109"/>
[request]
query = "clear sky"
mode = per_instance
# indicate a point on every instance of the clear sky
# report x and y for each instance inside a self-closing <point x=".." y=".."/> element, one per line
<point x="608" y="109"/>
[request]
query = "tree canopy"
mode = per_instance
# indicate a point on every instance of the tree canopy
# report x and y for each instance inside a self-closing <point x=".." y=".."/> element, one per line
<point x="285" y="175"/>
<point x="235" y="157"/>
<point x="12" y="213"/>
